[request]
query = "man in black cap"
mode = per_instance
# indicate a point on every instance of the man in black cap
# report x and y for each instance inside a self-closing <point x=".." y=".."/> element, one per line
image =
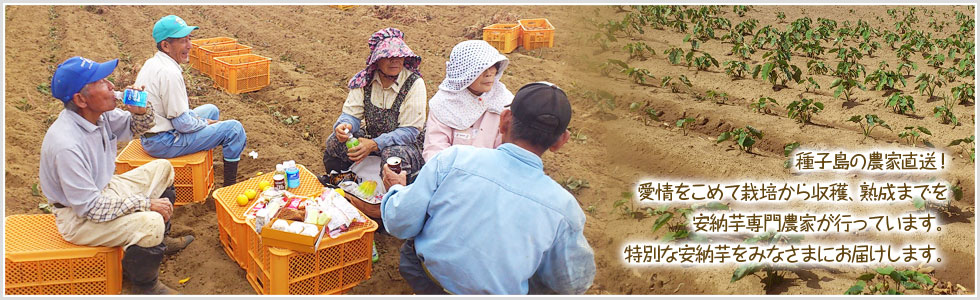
<point x="490" y="221"/>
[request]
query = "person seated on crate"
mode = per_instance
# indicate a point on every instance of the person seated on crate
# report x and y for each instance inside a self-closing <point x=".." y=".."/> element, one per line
<point x="466" y="109"/>
<point x="180" y="130"/>
<point x="490" y="221"/>
<point x="384" y="110"/>
<point x="92" y="206"/>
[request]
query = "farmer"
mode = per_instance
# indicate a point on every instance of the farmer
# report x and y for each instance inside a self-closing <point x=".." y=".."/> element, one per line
<point x="180" y="130"/>
<point x="466" y="109"/>
<point x="92" y="206"/>
<point x="490" y="221"/>
<point x="384" y="110"/>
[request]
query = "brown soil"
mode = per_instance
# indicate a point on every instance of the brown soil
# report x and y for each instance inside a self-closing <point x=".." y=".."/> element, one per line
<point x="313" y="56"/>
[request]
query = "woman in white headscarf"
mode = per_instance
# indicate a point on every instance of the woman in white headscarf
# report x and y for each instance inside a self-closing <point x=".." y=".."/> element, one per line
<point x="466" y="109"/>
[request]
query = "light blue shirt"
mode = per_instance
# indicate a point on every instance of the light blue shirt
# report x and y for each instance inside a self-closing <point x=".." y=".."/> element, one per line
<point x="490" y="221"/>
<point x="78" y="158"/>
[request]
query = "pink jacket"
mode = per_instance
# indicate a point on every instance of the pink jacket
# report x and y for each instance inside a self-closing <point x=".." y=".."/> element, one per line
<point x="485" y="133"/>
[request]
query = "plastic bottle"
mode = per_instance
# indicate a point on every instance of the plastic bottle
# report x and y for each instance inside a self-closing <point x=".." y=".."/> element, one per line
<point x="279" y="178"/>
<point x="292" y="175"/>
<point x="132" y="97"/>
<point x="351" y="141"/>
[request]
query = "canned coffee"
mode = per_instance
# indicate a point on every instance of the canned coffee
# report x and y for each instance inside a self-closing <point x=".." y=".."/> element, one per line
<point x="395" y="164"/>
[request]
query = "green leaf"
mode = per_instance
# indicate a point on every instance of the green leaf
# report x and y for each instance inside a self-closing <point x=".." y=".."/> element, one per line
<point x="34" y="190"/>
<point x="856" y="289"/>
<point x="919" y="203"/>
<point x="745" y="270"/>
<point x="716" y="206"/>
<point x="766" y="68"/>
<point x="723" y="137"/>
<point x="885" y="270"/>
<point x="855" y="118"/>
<point x="924" y="130"/>
<point x="663" y="219"/>
<point x="867" y="276"/>
<point x="911" y="285"/>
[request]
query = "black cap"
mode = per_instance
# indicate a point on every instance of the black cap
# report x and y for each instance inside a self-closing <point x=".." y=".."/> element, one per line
<point x="543" y="106"/>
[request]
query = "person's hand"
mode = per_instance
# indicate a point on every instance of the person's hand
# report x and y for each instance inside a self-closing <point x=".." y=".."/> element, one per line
<point x="162" y="206"/>
<point x="389" y="178"/>
<point x="211" y="121"/>
<point x="339" y="131"/>
<point x="362" y="151"/>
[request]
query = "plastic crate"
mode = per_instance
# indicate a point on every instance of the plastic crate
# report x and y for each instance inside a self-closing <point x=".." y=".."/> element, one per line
<point x="241" y="73"/>
<point x="210" y="52"/>
<point x="193" y="173"/>
<point x="338" y="265"/>
<point x="232" y="230"/>
<point x="343" y="7"/>
<point x="504" y="37"/>
<point x="196" y="48"/>
<point x="38" y="261"/>
<point x="537" y="33"/>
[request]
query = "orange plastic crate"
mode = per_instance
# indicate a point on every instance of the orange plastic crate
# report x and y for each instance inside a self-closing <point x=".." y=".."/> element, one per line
<point x="210" y="52"/>
<point x="196" y="48"/>
<point x="241" y="73"/>
<point x="232" y="230"/>
<point x="343" y="7"/>
<point x="537" y="33"/>
<point x="338" y="265"/>
<point x="38" y="261"/>
<point x="504" y="37"/>
<point x="193" y="173"/>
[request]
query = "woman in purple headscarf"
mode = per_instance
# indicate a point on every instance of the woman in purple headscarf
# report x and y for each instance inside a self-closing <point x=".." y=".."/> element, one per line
<point x="385" y="108"/>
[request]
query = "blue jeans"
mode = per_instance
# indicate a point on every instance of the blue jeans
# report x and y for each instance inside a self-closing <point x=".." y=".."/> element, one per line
<point x="410" y="266"/>
<point x="229" y="134"/>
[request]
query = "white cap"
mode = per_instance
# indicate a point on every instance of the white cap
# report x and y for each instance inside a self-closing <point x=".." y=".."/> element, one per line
<point x="119" y="95"/>
<point x="280" y="167"/>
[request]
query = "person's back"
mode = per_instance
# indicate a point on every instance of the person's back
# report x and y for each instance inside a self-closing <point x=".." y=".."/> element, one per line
<point x="493" y="241"/>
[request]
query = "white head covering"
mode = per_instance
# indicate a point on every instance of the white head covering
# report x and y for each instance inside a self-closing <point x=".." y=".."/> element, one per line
<point x="453" y="104"/>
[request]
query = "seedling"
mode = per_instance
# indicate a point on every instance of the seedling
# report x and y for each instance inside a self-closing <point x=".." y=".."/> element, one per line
<point x="901" y="103"/>
<point x="573" y="185"/>
<point x="963" y="93"/>
<point x="666" y="81"/>
<point x="291" y="120"/>
<point x="878" y="282"/>
<point x="811" y="84"/>
<point x="764" y="105"/>
<point x="803" y="110"/>
<point x="743" y="137"/>
<point x="884" y="79"/>
<point x="685" y="81"/>
<point x="945" y="112"/>
<point x="773" y="274"/>
<point x="682" y="123"/>
<point x="717" y="97"/>
<point x="625" y="205"/>
<point x="912" y="135"/>
<point x="787" y="150"/>
<point x="964" y="143"/>
<point x="637" y="75"/>
<point x="704" y="62"/>
<point x="638" y="50"/>
<point x="44" y="89"/>
<point x="927" y="83"/>
<point x="817" y="67"/>
<point x="24" y="105"/>
<point x="736" y="69"/>
<point x="674" y="55"/>
<point x="868" y="123"/>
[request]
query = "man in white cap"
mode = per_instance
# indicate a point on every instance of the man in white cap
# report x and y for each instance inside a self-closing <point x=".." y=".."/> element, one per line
<point x="180" y="130"/>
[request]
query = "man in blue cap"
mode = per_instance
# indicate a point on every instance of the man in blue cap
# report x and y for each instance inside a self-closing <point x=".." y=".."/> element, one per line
<point x="507" y="238"/>
<point x="180" y="130"/>
<point x="92" y="206"/>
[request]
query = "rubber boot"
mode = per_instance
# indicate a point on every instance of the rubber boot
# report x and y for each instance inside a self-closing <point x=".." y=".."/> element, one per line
<point x="174" y="245"/>
<point x="231" y="172"/>
<point x="142" y="266"/>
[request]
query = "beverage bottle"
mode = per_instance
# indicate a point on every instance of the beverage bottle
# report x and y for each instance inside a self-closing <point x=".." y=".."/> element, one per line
<point x="292" y="175"/>
<point x="279" y="178"/>
<point x="351" y="141"/>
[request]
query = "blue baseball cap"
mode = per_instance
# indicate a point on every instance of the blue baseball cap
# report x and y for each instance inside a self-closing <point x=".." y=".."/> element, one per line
<point x="73" y="74"/>
<point x="171" y="27"/>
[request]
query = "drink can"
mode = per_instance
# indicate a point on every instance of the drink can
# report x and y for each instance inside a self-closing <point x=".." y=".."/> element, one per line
<point x="395" y="164"/>
<point x="134" y="97"/>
